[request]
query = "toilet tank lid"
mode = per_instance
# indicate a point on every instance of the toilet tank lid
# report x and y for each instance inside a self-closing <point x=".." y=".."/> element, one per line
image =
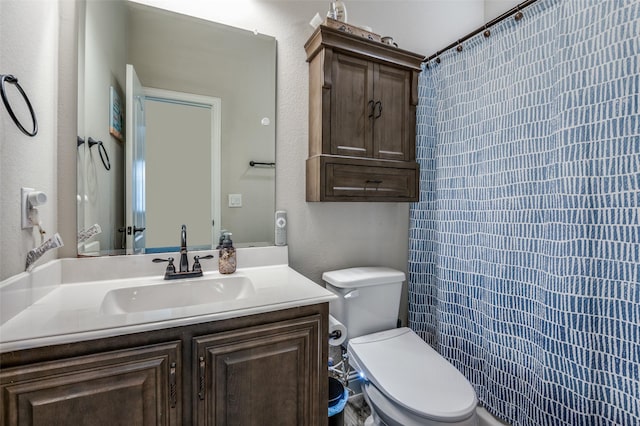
<point x="363" y="276"/>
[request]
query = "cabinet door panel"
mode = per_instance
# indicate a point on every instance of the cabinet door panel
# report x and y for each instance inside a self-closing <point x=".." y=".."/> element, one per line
<point x="391" y="133"/>
<point x="127" y="388"/>
<point x="261" y="375"/>
<point x="351" y="106"/>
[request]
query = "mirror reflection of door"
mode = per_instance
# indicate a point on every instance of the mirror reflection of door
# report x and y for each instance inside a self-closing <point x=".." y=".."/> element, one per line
<point x="134" y="231"/>
<point x="175" y="163"/>
<point x="175" y="143"/>
<point x="182" y="170"/>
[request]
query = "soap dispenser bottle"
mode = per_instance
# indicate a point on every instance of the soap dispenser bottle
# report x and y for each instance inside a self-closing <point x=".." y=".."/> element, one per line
<point x="227" y="256"/>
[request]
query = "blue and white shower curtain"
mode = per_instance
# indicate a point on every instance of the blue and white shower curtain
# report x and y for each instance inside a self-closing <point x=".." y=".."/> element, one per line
<point x="524" y="266"/>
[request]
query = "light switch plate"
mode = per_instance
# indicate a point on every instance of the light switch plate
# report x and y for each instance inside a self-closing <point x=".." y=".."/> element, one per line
<point x="235" y="200"/>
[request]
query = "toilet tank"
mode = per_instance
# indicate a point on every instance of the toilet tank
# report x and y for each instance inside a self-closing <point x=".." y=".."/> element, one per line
<point x="368" y="298"/>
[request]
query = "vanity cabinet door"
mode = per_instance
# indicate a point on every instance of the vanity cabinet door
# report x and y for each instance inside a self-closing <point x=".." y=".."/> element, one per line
<point x="268" y="374"/>
<point x="130" y="387"/>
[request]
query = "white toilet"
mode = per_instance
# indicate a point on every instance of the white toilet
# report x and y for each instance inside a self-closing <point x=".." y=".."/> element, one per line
<point x="406" y="382"/>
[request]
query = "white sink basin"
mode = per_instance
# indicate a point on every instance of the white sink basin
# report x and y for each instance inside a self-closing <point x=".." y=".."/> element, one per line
<point x="176" y="294"/>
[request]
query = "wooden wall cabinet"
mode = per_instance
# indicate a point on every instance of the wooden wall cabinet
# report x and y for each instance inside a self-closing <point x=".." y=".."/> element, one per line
<point x="255" y="370"/>
<point x="362" y="119"/>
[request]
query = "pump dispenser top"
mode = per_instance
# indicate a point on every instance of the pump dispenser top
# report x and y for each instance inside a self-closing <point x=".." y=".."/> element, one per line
<point x="221" y="239"/>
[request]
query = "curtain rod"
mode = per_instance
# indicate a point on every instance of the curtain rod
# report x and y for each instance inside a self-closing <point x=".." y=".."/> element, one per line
<point x="485" y="28"/>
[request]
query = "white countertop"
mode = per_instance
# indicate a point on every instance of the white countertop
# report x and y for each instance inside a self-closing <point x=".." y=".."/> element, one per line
<point x="68" y="312"/>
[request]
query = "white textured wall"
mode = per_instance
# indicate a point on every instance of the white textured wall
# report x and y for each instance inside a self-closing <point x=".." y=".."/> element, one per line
<point x="28" y="50"/>
<point x="495" y="8"/>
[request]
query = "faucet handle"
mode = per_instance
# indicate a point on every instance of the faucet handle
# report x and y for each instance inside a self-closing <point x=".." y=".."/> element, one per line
<point x="196" y="262"/>
<point x="170" y="267"/>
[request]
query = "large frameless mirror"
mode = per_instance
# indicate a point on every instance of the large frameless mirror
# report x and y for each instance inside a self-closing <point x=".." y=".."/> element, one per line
<point x="176" y="125"/>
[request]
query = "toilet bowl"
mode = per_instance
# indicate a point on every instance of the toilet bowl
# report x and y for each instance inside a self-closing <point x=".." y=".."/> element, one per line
<point x="406" y="382"/>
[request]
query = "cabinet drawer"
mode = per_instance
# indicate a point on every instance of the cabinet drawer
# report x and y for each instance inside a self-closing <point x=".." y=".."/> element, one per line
<point x="332" y="178"/>
<point x="370" y="183"/>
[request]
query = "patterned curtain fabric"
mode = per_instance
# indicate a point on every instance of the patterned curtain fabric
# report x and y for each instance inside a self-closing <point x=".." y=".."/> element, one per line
<point x="524" y="265"/>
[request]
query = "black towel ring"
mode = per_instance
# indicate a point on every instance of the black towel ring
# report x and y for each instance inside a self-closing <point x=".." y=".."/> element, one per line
<point x="106" y="163"/>
<point x="13" y="80"/>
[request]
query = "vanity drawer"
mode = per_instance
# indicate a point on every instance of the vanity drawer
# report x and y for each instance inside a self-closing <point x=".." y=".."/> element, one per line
<point x="346" y="179"/>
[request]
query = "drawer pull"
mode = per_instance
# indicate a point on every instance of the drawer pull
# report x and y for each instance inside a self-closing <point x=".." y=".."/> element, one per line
<point x="372" y="182"/>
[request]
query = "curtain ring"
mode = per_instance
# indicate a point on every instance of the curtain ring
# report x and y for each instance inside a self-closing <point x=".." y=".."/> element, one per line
<point x="13" y="80"/>
<point x="459" y="48"/>
<point x="486" y="32"/>
<point x="518" y="16"/>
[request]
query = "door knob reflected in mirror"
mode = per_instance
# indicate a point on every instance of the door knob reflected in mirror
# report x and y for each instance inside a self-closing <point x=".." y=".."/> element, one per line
<point x="132" y="230"/>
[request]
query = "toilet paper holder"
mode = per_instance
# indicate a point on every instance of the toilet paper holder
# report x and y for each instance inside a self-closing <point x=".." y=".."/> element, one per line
<point x="335" y="334"/>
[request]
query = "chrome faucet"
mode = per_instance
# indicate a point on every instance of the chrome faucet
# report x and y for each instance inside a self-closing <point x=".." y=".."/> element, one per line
<point x="183" y="272"/>
<point x="184" y="260"/>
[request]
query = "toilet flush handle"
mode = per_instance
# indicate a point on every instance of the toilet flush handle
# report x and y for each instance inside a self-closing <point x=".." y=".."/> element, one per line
<point x="352" y="294"/>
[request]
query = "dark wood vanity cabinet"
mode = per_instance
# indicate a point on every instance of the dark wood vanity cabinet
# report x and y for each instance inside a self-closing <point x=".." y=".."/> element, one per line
<point x="362" y="119"/>
<point x="255" y="370"/>
<point x="257" y="376"/>
<point x="135" y="386"/>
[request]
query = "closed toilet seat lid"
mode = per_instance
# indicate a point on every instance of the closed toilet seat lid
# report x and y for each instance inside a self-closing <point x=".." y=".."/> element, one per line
<point x="413" y="375"/>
